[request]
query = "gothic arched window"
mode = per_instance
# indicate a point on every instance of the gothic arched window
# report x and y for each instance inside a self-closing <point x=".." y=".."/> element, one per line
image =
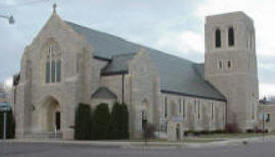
<point x="231" y="36"/>
<point x="58" y="70"/>
<point x="48" y="71"/>
<point x="53" y="71"/>
<point x="165" y="107"/>
<point x="53" y="65"/>
<point x="229" y="64"/>
<point x="218" y="38"/>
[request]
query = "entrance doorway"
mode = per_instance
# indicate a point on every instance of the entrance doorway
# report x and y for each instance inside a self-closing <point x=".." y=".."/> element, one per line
<point x="178" y="132"/>
<point x="50" y="116"/>
<point x="57" y="120"/>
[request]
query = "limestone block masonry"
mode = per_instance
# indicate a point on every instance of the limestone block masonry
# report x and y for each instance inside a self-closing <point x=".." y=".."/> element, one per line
<point x="231" y="65"/>
<point x="62" y="68"/>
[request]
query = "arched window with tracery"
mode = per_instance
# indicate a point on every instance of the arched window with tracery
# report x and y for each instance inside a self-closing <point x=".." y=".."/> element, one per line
<point x="218" y="38"/>
<point x="53" y="65"/>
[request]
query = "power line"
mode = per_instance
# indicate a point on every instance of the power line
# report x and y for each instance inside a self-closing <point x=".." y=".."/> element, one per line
<point x="24" y="3"/>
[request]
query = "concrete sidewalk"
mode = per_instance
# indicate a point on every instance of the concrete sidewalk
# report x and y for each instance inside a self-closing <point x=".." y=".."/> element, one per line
<point x="133" y="144"/>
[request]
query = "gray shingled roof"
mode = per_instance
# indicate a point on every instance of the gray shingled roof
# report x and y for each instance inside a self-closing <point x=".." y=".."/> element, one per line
<point x="104" y="93"/>
<point x="118" y="64"/>
<point x="178" y="75"/>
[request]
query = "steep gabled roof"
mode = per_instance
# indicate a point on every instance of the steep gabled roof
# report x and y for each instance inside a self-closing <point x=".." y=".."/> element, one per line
<point x="103" y="93"/>
<point x="119" y="64"/>
<point x="177" y="75"/>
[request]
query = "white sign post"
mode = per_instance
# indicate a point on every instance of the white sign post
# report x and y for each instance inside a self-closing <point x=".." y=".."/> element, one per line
<point x="177" y="118"/>
<point x="263" y="117"/>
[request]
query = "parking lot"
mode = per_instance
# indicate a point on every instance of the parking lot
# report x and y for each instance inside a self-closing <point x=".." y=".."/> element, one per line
<point x="265" y="149"/>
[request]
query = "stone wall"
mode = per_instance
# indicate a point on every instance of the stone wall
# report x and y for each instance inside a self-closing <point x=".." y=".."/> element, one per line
<point x="232" y="69"/>
<point x="195" y="115"/>
<point x="269" y="110"/>
<point x="141" y="91"/>
<point x="33" y="91"/>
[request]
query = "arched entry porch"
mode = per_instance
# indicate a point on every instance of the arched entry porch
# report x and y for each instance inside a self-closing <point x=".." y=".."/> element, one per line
<point x="50" y="116"/>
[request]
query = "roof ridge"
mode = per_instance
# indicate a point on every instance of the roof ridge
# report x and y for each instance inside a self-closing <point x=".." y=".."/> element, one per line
<point x="177" y="73"/>
<point x="91" y="29"/>
<point x="130" y="42"/>
<point x="101" y="89"/>
<point x="125" y="54"/>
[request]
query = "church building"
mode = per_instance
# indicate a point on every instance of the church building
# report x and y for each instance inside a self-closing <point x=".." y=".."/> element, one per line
<point x="67" y="64"/>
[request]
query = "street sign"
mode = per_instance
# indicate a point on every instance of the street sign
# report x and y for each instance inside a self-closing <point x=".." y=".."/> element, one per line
<point x="5" y="107"/>
<point x="177" y="118"/>
<point x="263" y="116"/>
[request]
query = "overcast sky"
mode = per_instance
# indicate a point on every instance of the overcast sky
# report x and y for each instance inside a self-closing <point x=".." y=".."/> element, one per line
<point x="175" y="26"/>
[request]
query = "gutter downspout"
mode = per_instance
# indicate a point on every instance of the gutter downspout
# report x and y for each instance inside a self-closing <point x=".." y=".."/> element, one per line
<point x="122" y="87"/>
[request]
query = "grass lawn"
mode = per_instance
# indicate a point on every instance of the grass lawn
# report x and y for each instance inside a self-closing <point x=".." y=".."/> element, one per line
<point x="186" y="140"/>
<point x="201" y="138"/>
<point x="236" y="135"/>
<point x="213" y="137"/>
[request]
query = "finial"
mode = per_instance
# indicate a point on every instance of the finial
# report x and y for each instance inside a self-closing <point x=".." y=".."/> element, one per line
<point x="142" y="49"/>
<point x="54" y="7"/>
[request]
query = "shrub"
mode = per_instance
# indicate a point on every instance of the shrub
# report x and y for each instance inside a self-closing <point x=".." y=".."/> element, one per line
<point x="219" y="132"/>
<point x="115" y="127"/>
<point x="188" y="132"/>
<point x="10" y="125"/>
<point x="118" y="128"/>
<point x="101" y="121"/>
<point x="231" y="128"/>
<point x="125" y="121"/>
<point x="250" y="131"/>
<point x="149" y="131"/>
<point x="83" y="123"/>
<point x="205" y="132"/>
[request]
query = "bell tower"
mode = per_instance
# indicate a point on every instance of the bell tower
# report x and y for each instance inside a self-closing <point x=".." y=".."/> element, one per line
<point x="231" y="65"/>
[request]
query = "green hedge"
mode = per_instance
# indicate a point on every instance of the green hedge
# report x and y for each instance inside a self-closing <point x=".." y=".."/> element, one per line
<point x="101" y="121"/>
<point x="118" y="128"/>
<point x="83" y="123"/>
<point x="10" y="125"/>
<point x="100" y="124"/>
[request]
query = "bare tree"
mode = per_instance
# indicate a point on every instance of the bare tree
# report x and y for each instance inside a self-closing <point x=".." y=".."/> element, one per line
<point x="272" y="99"/>
<point x="2" y="89"/>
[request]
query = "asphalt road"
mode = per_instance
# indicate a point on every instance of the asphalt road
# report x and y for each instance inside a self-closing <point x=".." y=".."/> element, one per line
<point x="266" y="149"/>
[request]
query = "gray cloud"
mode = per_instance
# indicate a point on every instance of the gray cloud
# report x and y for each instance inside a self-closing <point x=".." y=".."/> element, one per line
<point x="140" y="21"/>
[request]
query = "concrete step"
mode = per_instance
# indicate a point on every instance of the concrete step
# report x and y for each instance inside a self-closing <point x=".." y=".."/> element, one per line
<point x="47" y="135"/>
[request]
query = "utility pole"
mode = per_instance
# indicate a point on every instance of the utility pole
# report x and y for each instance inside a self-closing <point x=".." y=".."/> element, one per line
<point x="264" y="117"/>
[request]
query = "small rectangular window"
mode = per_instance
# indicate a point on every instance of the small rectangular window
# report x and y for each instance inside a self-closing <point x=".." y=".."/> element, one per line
<point x="165" y="107"/>
<point x="220" y="64"/>
<point x="231" y="36"/>
<point x="212" y="111"/>
<point x="223" y="115"/>
<point x="183" y="108"/>
<point x="218" y="38"/>
<point x="268" y="118"/>
<point x="229" y="64"/>
<point x="199" y="110"/>
<point x="179" y="106"/>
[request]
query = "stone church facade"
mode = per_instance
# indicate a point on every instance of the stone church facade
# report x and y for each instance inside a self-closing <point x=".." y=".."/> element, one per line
<point x="67" y="64"/>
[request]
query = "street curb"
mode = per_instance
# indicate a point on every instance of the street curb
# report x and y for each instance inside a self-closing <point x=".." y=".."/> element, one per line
<point x="148" y="145"/>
